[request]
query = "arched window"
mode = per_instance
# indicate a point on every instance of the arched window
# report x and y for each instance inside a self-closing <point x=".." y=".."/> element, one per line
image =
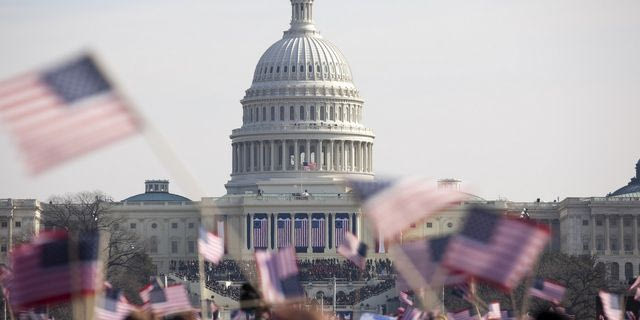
<point x="615" y="271"/>
<point x="332" y="116"/>
<point x="285" y="69"/>
<point x="271" y="69"/>
<point x="323" y="116"/>
<point x="628" y="271"/>
<point x="281" y="113"/>
<point x="312" y="113"/>
<point x="273" y="113"/>
<point x="292" y="113"/>
<point x="310" y="68"/>
<point x="264" y="113"/>
<point x="340" y="113"/>
<point x="302" y="68"/>
<point x="251" y="115"/>
<point x="278" y="69"/>
<point x="293" y="69"/>
<point x="302" y="115"/>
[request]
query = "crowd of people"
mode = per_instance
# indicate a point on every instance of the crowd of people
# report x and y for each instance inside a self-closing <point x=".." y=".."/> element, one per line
<point x="309" y="270"/>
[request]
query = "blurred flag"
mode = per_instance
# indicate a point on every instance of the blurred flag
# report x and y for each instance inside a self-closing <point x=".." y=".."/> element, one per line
<point x="214" y="310"/>
<point x="404" y="299"/>
<point x="392" y="206"/>
<point x="5" y="279"/>
<point x="354" y="250"/>
<point x="636" y="286"/>
<point x="278" y="275"/>
<point x="547" y="290"/>
<point x="412" y="313"/>
<point x="371" y="316"/>
<point x="425" y="256"/>
<point x="464" y="314"/>
<point x="494" y="311"/>
<point x="611" y="305"/>
<point x="62" y="112"/>
<point x="165" y="301"/>
<point x="495" y="248"/>
<point x="53" y="268"/>
<point x="113" y="305"/>
<point x="629" y="315"/>
<point x="210" y="247"/>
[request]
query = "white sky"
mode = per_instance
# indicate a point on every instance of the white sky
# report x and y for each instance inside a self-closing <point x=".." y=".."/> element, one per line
<point x="521" y="99"/>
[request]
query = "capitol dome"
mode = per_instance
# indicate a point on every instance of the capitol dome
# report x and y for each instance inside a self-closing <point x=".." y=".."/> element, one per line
<point x="631" y="190"/>
<point x="302" y="115"/>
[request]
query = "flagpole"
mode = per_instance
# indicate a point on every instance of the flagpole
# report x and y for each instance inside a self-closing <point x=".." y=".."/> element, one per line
<point x="203" y="301"/>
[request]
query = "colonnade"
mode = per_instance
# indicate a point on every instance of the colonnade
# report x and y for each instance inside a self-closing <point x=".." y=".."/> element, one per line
<point x="302" y="155"/>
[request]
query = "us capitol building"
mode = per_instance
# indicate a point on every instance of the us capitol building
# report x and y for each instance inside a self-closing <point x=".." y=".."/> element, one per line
<point x="302" y="135"/>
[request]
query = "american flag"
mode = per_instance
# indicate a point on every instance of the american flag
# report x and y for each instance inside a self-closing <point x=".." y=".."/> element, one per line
<point x="317" y="232"/>
<point x="412" y="313"/>
<point x="113" y="306"/>
<point x="309" y="166"/>
<point x="278" y="275"/>
<point x="210" y="246"/>
<point x="342" y="228"/>
<point x="611" y="305"/>
<point x="260" y="238"/>
<point x="46" y="270"/>
<point x="64" y="111"/>
<point x="410" y="200"/>
<point x="284" y="232"/>
<point x="464" y="314"/>
<point x="636" y="286"/>
<point x="165" y="301"/>
<point x="495" y="248"/>
<point x="301" y="229"/>
<point x="404" y="299"/>
<point x="354" y="250"/>
<point x="425" y="256"/>
<point x="547" y="290"/>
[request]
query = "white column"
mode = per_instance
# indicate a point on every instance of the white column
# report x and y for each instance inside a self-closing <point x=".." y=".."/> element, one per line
<point x="252" y="156"/>
<point x="361" y="160"/>
<point x="343" y="156"/>
<point x="284" y="155"/>
<point x="296" y="155"/>
<point x="607" y="247"/>
<point x="319" y="154"/>
<point x="353" y="158"/>
<point x="233" y="158"/>
<point x="261" y="155"/>
<point x="272" y="143"/>
<point x="635" y="235"/>
<point x="330" y="156"/>
<point x="371" y="157"/>
<point x="244" y="156"/>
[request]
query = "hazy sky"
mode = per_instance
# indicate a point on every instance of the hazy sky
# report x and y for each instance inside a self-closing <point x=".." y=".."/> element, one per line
<point x="520" y="99"/>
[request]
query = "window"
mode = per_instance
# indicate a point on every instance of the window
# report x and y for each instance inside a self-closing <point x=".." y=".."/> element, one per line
<point x="191" y="225"/>
<point x="278" y="69"/>
<point x="614" y="244"/>
<point x="628" y="271"/>
<point x="293" y="69"/>
<point x="615" y="271"/>
<point x="628" y="245"/>
<point x="302" y="115"/>
<point x="174" y="225"/>
<point x="599" y="222"/>
<point x="585" y="246"/>
<point x="301" y="68"/>
<point x="251" y="115"/>
<point x="292" y="113"/>
<point x="191" y="247"/>
<point x="585" y="222"/>
<point x="323" y="116"/>
<point x="332" y="116"/>
<point x="153" y="244"/>
<point x="154" y="225"/>
<point x="132" y="226"/>
<point x="264" y="113"/>
<point x="3" y="224"/>
<point x="600" y="244"/>
<point x="285" y="68"/>
<point x="310" y="69"/>
<point x="174" y="246"/>
<point x="340" y="113"/>
<point x="273" y="113"/>
<point x="312" y="112"/>
<point x="281" y="113"/>
<point x="3" y="248"/>
<point x="271" y="70"/>
<point x="429" y="225"/>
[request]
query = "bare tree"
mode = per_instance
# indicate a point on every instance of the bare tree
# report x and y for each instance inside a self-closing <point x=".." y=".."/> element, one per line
<point x="127" y="264"/>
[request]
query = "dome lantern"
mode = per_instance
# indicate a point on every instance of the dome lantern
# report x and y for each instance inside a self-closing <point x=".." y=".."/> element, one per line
<point x="301" y="17"/>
